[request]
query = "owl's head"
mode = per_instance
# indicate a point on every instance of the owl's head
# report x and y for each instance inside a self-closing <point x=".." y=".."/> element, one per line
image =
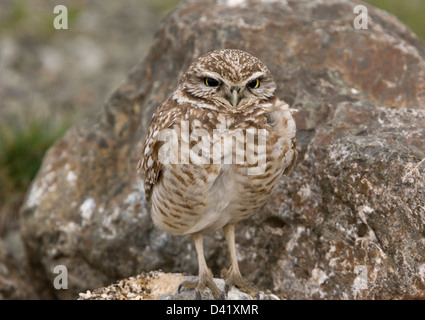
<point x="230" y="78"/>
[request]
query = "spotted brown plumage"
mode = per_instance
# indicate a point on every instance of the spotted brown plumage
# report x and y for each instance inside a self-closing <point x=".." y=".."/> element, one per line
<point x="214" y="152"/>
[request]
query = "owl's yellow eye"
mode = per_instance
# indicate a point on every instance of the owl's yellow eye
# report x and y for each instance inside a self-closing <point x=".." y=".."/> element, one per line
<point x="254" y="84"/>
<point x="209" y="82"/>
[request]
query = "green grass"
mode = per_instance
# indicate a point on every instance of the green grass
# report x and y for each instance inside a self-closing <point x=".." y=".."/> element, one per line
<point x="162" y="7"/>
<point x="411" y="13"/>
<point x="21" y="152"/>
<point x="23" y="18"/>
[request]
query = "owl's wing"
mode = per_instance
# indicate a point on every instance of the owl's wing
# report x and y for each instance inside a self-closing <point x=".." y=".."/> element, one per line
<point x="150" y="165"/>
<point x="291" y="166"/>
<point x="280" y="117"/>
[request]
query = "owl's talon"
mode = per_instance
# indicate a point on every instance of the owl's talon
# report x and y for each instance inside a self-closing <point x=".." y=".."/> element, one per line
<point x="242" y="284"/>
<point x="187" y="285"/>
<point x="179" y="289"/>
<point x="198" y="295"/>
<point x="204" y="281"/>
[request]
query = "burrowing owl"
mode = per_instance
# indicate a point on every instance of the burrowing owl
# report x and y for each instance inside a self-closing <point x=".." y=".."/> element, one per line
<point x="213" y="153"/>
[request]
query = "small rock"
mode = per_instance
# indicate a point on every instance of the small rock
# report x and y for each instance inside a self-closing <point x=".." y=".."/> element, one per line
<point x="157" y="285"/>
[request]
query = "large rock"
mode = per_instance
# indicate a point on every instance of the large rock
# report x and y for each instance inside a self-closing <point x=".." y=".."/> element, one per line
<point x="347" y="223"/>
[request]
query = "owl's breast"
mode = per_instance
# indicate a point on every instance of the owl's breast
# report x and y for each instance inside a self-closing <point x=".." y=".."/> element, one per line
<point x="230" y="182"/>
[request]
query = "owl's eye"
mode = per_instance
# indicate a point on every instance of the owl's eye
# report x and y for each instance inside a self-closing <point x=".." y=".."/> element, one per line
<point x="209" y="82"/>
<point x="254" y="84"/>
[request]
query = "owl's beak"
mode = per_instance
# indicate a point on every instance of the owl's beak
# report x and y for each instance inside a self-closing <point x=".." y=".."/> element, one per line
<point x="234" y="96"/>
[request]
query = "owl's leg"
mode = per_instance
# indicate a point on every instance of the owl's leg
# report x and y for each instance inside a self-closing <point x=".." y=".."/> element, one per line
<point x="205" y="278"/>
<point x="233" y="276"/>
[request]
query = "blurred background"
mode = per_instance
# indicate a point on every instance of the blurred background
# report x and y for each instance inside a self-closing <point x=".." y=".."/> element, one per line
<point x="51" y="79"/>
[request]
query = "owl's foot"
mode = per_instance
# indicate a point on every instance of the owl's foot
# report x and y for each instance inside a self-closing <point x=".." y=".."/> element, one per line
<point x="204" y="281"/>
<point x="233" y="279"/>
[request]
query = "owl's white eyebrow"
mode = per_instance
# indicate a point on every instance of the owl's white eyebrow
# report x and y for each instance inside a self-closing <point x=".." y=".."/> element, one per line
<point x="256" y="75"/>
<point x="212" y="75"/>
<point x="181" y="100"/>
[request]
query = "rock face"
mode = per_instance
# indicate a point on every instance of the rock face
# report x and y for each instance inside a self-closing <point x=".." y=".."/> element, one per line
<point x="347" y="223"/>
